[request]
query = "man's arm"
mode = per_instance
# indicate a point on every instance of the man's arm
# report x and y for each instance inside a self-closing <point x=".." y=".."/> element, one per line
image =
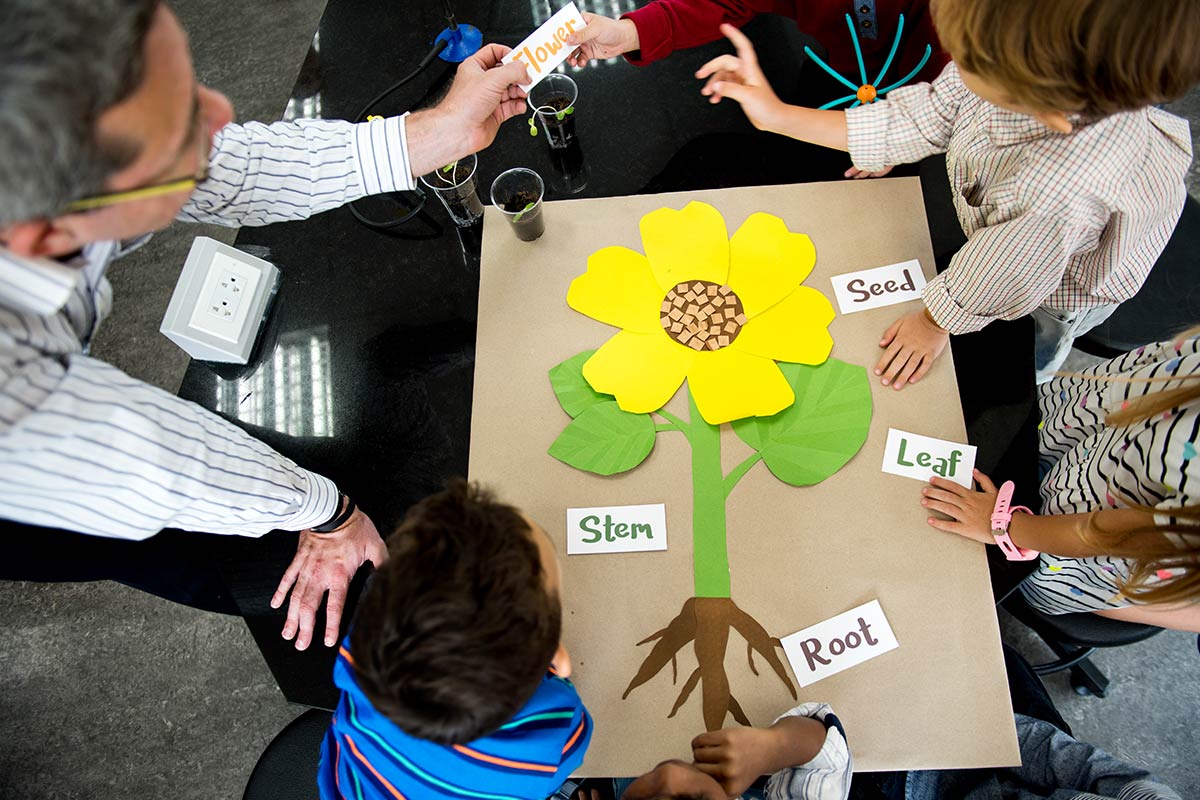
<point x="260" y="174"/>
<point x="86" y="448"/>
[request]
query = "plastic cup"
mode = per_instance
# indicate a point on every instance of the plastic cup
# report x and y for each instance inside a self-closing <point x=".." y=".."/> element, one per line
<point x="454" y="184"/>
<point x="517" y="193"/>
<point x="554" y="102"/>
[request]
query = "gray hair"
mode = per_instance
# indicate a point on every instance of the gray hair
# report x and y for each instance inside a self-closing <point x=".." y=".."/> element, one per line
<point x="62" y="64"/>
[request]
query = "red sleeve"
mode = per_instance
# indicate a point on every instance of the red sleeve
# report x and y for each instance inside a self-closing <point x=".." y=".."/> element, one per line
<point x="665" y="26"/>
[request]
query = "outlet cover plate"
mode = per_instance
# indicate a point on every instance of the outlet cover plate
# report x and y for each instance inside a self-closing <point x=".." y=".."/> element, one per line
<point x="220" y="302"/>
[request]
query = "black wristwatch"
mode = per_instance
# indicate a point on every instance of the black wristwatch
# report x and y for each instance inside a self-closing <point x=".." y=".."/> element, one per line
<point x="339" y="517"/>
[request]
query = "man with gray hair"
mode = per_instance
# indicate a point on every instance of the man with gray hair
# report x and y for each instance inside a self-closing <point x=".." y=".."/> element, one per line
<point x="105" y="135"/>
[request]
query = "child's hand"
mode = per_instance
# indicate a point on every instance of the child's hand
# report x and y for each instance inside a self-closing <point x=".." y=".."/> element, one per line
<point x="970" y="512"/>
<point x="602" y="38"/>
<point x="912" y="342"/>
<point x="735" y="757"/>
<point x="858" y="174"/>
<point x="740" y="78"/>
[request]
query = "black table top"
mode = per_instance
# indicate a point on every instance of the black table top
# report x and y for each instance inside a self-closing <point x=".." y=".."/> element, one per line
<point x="365" y="370"/>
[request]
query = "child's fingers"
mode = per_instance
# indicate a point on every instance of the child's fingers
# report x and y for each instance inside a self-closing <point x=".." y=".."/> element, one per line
<point x="947" y="525"/>
<point x="949" y="509"/>
<point x="708" y="739"/>
<point x="942" y="496"/>
<point x="713" y="80"/>
<point x="926" y="363"/>
<point x="985" y="482"/>
<point x="949" y="486"/>
<point x="890" y="334"/>
<point x="725" y="63"/>
<point x="745" y="50"/>
<point x="898" y="363"/>
<point x="914" y="361"/>
<point x="733" y="90"/>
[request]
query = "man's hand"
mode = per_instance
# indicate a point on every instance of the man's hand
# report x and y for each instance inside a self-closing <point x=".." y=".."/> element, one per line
<point x="602" y="38"/>
<point x="912" y="342"/>
<point x="483" y="96"/>
<point x="735" y="757"/>
<point x="326" y="562"/>
<point x="970" y="511"/>
<point x="740" y="78"/>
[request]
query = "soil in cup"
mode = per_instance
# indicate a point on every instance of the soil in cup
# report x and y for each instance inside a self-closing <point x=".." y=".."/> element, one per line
<point x="529" y="225"/>
<point x="559" y="132"/>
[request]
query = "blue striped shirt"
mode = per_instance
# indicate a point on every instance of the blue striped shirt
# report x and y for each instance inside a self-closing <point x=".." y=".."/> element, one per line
<point x="87" y="448"/>
<point x="365" y="756"/>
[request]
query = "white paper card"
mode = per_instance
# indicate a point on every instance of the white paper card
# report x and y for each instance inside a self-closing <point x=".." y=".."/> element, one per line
<point x="882" y="286"/>
<point x="915" y="456"/>
<point x="547" y="47"/>
<point x="616" y="529"/>
<point x="839" y="643"/>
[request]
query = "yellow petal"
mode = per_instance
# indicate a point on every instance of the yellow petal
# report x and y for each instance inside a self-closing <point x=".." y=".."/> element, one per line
<point x="642" y="370"/>
<point x="729" y="384"/>
<point x="686" y="245"/>
<point x="794" y="329"/>
<point x="618" y="288"/>
<point x="767" y="262"/>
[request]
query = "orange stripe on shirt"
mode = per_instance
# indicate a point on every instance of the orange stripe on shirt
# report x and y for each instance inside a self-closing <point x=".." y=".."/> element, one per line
<point x="575" y="735"/>
<point x="503" y="762"/>
<point x="395" y="792"/>
<point x="337" y="767"/>
<point x="346" y="654"/>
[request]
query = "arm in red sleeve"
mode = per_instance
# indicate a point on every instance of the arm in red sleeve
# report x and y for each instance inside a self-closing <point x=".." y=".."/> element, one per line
<point x="665" y="26"/>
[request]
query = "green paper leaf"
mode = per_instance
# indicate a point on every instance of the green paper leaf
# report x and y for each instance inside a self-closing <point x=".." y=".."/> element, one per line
<point x="815" y="436"/>
<point x="573" y="391"/>
<point x="605" y="440"/>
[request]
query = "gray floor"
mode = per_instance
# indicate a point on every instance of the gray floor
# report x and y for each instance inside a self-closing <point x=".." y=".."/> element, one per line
<point x="108" y="693"/>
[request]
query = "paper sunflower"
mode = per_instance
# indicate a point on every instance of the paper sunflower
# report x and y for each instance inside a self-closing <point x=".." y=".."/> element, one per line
<point x="700" y="306"/>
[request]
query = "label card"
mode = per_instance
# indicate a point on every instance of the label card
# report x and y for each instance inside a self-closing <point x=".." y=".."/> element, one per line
<point x="616" y="529"/>
<point x="882" y="286"/>
<point x="547" y="47"/>
<point x="915" y="456"/>
<point x="839" y="643"/>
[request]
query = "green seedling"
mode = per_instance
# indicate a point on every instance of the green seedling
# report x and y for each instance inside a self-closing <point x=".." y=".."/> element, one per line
<point x="560" y="114"/>
<point x="522" y="212"/>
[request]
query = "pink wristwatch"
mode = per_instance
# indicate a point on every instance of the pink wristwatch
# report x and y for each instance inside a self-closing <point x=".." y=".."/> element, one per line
<point x="1001" y="516"/>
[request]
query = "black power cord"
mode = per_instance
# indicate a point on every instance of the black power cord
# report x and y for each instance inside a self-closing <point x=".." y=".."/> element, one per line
<point x="429" y="58"/>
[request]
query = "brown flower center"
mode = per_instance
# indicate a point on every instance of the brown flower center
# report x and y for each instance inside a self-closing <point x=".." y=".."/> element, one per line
<point x="702" y="315"/>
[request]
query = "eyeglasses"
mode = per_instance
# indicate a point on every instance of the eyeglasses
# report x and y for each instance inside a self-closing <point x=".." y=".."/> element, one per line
<point x="156" y="189"/>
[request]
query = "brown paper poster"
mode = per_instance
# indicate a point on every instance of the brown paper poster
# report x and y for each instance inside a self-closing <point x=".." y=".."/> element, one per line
<point x="667" y="644"/>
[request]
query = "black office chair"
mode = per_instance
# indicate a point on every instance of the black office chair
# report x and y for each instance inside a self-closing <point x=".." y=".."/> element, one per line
<point x="1073" y="638"/>
<point x="287" y="769"/>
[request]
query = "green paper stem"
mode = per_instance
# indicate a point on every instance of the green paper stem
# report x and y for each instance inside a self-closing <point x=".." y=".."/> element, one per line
<point x="737" y="472"/>
<point x="710" y="555"/>
<point x="679" y="424"/>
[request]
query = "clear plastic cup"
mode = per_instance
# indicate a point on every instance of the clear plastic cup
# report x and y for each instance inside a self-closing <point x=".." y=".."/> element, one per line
<point x="554" y="101"/>
<point x="454" y="184"/>
<point x="517" y="193"/>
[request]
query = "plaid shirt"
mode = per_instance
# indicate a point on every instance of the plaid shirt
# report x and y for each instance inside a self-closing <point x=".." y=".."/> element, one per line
<point x="1069" y="221"/>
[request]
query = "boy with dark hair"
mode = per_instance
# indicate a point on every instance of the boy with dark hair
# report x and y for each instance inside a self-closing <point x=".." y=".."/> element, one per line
<point x="453" y="678"/>
<point x="1065" y="178"/>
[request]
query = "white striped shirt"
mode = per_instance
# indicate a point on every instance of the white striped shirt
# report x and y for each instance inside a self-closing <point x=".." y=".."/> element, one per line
<point x="1069" y="221"/>
<point x="1088" y="465"/>
<point x="87" y="448"/>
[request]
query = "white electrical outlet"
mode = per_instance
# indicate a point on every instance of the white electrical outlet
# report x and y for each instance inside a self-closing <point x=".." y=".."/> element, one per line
<point x="225" y="298"/>
<point x="220" y="302"/>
